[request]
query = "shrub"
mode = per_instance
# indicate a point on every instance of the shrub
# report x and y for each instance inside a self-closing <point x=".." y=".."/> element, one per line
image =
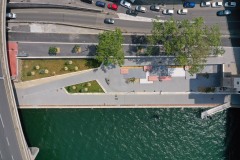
<point x="32" y="73"/>
<point x="46" y="71"/>
<point x="76" y="49"/>
<point x="53" y="50"/>
<point x="76" y="68"/>
<point x="65" y="68"/>
<point x="37" y="67"/>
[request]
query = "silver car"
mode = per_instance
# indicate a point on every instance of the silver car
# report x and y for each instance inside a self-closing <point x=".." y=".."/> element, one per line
<point x="109" y="20"/>
<point x="230" y="4"/>
<point x="141" y="9"/>
<point x="205" y="4"/>
<point x="125" y="4"/>
<point x="11" y="15"/>
<point x="168" y="11"/>
<point x="155" y="7"/>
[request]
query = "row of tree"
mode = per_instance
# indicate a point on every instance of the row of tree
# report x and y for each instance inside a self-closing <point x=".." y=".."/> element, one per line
<point x="191" y="42"/>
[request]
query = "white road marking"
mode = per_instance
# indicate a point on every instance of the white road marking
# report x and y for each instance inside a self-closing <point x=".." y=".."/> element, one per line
<point x="1" y="120"/>
<point x="12" y="157"/>
<point x="7" y="141"/>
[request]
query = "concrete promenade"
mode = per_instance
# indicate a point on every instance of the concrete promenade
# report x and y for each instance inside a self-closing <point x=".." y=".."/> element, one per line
<point x="50" y="92"/>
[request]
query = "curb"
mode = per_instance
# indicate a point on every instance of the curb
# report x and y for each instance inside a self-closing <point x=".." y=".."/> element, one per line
<point x="16" y="5"/>
<point x="66" y="24"/>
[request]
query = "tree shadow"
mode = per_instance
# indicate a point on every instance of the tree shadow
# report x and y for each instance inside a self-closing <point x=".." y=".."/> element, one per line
<point x="139" y="39"/>
<point x="91" y="49"/>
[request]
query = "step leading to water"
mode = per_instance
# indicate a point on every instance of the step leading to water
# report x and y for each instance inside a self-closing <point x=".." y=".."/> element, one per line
<point x="214" y="110"/>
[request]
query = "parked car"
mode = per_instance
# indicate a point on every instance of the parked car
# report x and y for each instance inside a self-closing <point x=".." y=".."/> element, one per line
<point x="11" y="15"/>
<point x="125" y="4"/>
<point x="205" y="4"/>
<point x="182" y="11"/>
<point x="88" y="1"/>
<point x="230" y="4"/>
<point x="141" y="9"/>
<point x="109" y="20"/>
<point x="224" y="13"/>
<point x="217" y="4"/>
<point x="155" y="7"/>
<point x="168" y="11"/>
<point x="100" y="4"/>
<point x="189" y="4"/>
<point x="112" y="6"/>
<point x="131" y="12"/>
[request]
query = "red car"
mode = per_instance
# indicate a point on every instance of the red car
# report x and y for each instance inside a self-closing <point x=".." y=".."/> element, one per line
<point x="112" y="6"/>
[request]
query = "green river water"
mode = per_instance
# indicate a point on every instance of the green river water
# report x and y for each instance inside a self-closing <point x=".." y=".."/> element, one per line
<point x="126" y="134"/>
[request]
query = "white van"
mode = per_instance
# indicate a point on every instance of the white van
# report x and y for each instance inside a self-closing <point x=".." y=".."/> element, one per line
<point x="182" y="11"/>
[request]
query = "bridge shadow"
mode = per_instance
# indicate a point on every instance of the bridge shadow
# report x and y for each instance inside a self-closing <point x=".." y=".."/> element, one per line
<point x="232" y="140"/>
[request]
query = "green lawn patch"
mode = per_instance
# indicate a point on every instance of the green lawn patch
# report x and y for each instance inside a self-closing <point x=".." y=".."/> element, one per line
<point x="40" y="68"/>
<point x="86" y="87"/>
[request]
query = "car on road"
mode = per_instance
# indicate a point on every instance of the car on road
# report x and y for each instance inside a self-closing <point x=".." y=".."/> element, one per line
<point x="189" y="4"/>
<point x="230" y="4"/>
<point x="224" y="13"/>
<point x="88" y="1"/>
<point x="112" y="6"/>
<point x="205" y="4"/>
<point x="141" y="9"/>
<point x="182" y="11"/>
<point x="100" y="4"/>
<point x="155" y="7"/>
<point x="131" y="12"/>
<point x="125" y="4"/>
<point x="217" y="4"/>
<point x="109" y="20"/>
<point x="168" y="11"/>
<point x="11" y="15"/>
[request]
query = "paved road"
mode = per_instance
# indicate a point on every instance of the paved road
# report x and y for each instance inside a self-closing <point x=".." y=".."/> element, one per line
<point x="90" y="38"/>
<point x="229" y="24"/>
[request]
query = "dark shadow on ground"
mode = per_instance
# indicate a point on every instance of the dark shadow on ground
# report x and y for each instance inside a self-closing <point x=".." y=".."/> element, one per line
<point x="232" y="140"/>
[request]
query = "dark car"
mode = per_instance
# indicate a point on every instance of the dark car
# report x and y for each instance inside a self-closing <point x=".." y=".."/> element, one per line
<point x="109" y="21"/>
<point x="224" y="13"/>
<point x="155" y="7"/>
<point x="131" y="12"/>
<point x="100" y="4"/>
<point x="88" y="1"/>
<point x="189" y="4"/>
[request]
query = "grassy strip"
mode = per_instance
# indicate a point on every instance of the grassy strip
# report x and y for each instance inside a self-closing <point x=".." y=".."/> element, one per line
<point x="86" y="87"/>
<point x="40" y="68"/>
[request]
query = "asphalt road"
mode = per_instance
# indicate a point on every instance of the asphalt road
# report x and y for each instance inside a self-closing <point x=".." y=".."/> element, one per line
<point x="9" y="148"/>
<point x="86" y="38"/>
<point x="226" y="24"/>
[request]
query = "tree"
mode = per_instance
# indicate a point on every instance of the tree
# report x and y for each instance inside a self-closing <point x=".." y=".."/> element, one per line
<point x="109" y="48"/>
<point x="191" y="42"/>
<point x="53" y="50"/>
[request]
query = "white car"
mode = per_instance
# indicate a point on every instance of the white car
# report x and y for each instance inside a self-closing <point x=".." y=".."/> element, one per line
<point x="11" y="15"/>
<point x="205" y="4"/>
<point x="125" y="4"/>
<point x="217" y="4"/>
<point x="230" y="4"/>
<point x="140" y="9"/>
<point x="168" y="11"/>
<point x="182" y="11"/>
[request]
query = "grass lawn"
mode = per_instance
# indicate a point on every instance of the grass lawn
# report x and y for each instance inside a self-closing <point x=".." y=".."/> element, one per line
<point x="40" y="68"/>
<point x="86" y="87"/>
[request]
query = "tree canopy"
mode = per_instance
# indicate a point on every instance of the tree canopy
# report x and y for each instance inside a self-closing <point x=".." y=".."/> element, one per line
<point x="190" y="41"/>
<point x="109" y="49"/>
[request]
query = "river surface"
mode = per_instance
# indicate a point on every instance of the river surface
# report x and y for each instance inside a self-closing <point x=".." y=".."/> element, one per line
<point x="125" y="134"/>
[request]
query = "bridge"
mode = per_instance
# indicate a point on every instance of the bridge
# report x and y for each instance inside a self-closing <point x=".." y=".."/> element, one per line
<point x="12" y="141"/>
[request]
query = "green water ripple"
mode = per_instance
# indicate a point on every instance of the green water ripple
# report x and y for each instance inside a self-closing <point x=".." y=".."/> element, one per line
<point x="125" y="134"/>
